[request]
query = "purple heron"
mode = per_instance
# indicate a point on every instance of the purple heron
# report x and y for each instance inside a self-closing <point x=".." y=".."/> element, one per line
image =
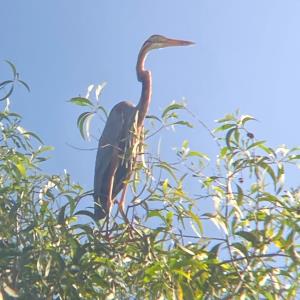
<point x="115" y="157"/>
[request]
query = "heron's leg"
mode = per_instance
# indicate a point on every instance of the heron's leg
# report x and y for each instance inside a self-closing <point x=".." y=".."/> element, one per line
<point x="113" y="170"/>
<point x="110" y="189"/>
<point x="122" y="202"/>
<point x="121" y="209"/>
<point x="109" y="201"/>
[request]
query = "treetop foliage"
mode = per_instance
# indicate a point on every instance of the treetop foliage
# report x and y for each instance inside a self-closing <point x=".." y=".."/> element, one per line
<point x="160" y="248"/>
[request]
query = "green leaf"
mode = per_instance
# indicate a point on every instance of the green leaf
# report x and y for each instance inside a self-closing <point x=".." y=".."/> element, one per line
<point x="85" y="213"/>
<point x="240" y="195"/>
<point x="24" y="84"/>
<point x="268" y="150"/>
<point x="199" y="154"/>
<point x="101" y="108"/>
<point x="294" y="157"/>
<point x="155" y="213"/>
<point x="241" y="248"/>
<point x="224" y="127"/>
<point x="165" y="185"/>
<point x="249" y="236"/>
<point x="61" y="215"/>
<point x="228" y="137"/>
<point x="269" y="170"/>
<point x="58" y="259"/>
<point x="184" y="123"/>
<point x="223" y="152"/>
<point x="246" y="118"/>
<point x="33" y="135"/>
<point x="83" y="123"/>
<point x="256" y="144"/>
<point x="48" y="267"/>
<point x="185" y="144"/>
<point x="280" y="176"/>
<point x="227" y="118"/>
<point x="44" y="149"/>
<point x="10" y="291"/>
<point x="81" y="101"/>
<point x="153" y="118"/>
<point x="172" y="107"/>
<point x="21" y="168"/>
<point x="213" y="253"/>
<point x="8" y="94"/>
<point x="237" y="136"/>
<point x="4" y="83"/>
<point x="188" y="292"/>
<point x="196" y="219"/>
<point x="168" y="168"/>
<point x="39" y="265"/>
<point x="169" y="218"/>
<point x="185" y="249"/>
<point x="270" y="198"/>
<point x="13" y="68"/>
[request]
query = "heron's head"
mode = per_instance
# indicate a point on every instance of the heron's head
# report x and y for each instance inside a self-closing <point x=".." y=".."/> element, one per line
<point x="158" y="41"/>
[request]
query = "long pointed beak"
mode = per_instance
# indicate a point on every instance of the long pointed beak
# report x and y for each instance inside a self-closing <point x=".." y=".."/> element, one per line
<point x="173" y="42"/>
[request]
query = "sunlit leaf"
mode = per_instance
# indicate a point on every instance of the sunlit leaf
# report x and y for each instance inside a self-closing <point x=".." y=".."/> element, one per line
<point x="223" y="152"/>
<point x="48" y="268"/>
<point x="186" y="250"/>
<point x="267" y="149"/>
<point x="21" y="168"/>
<point x="227" y="118"/>
<point x="199" y="154"/>
<point x="81" y="101"/>
<point x="89" y="90"/>
<point x="165" y="185"/>
<point x="169" y="217"/>
<point x="246" y="118"/>
<point x="155" y="213"/>
<point x="99" y="89"/>
<point x="196" y="219"/>
<point x="83" y="123"/>
<point x="224" y="127"/>
<point x="9" y="290"/>
<point x="172" y="107"/>
<point x="269" y="170"/>
<point x="256" y="144"/>
<point x="294" y="157"/>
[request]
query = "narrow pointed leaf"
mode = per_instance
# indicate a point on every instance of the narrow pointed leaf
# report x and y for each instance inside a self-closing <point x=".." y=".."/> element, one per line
<point x="81" y="101"/>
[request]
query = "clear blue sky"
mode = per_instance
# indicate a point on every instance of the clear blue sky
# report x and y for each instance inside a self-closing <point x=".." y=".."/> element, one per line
<point x="247" y="56"/>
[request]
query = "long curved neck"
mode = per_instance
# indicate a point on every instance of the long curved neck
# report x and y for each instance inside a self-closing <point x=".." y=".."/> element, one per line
<point x="144" y="76"/>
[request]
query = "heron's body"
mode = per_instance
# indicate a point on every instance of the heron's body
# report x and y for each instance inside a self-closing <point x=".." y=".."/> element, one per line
<point x="117" y="136"/>
<point x="116" y="150"/>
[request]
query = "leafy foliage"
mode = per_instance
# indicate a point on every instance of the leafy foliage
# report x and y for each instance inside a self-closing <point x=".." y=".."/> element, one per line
<point x="159" y="247"/>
